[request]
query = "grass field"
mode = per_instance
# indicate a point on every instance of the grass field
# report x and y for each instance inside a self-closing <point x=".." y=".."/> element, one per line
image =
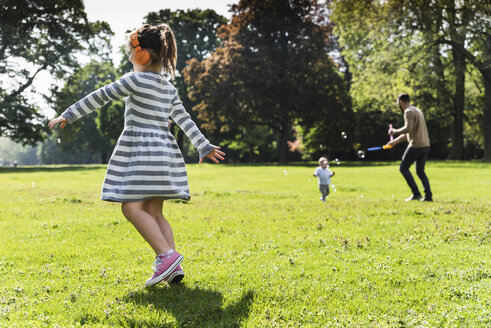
<point x="260" y="250"/>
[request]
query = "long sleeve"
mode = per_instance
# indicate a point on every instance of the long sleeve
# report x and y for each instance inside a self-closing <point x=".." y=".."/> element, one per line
<point x="408" y="123"/>
<point x="124" y="87"/>
<point x="184" y="121"/>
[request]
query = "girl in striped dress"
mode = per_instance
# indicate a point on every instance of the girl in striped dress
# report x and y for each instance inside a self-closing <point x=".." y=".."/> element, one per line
<point x="146" y="166"/>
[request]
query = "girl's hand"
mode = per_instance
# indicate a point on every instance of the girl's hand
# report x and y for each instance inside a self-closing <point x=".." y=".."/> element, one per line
<point x="214" y="154"/>
<point x="55" y="121"/>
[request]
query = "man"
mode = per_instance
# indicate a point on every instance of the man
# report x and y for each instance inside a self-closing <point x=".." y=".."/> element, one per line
<point x="416" y="133"/>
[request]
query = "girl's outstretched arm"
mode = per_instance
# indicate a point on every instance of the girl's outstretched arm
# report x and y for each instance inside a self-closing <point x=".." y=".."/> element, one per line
<point x="182" y="118"/>
<point x="125" y="86"/>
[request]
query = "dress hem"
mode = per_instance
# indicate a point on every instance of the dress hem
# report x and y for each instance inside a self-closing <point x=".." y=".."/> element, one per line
<point x="119" y="200"/>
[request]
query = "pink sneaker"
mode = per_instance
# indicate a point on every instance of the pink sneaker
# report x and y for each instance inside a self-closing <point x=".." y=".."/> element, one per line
<point x="176" y="276"/>
<point x="164" y="265"/>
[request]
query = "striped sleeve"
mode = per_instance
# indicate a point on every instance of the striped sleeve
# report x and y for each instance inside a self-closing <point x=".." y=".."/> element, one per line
<point x="184" y="121"/>
<point x="124" y="87"/>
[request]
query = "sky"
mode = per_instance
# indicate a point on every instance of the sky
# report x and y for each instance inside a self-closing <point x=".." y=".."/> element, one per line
<point x="121" y="16"/>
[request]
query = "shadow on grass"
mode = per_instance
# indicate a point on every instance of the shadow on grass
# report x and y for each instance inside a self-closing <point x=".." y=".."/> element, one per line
<point x="54" y="168"/>
<point x="192" y="307"/>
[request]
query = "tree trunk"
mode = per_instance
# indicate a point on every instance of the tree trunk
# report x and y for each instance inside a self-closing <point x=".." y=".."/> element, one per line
<point x="457" y="151"/>
<point x="458" y="42"/>
<point x="283" y="146"/>
<point x="487" y="115"/>
<point x="486" y="73"/>
<point x="483" y="66"/>
<point x="443" y="94"/>
<point x="103" y="157"/>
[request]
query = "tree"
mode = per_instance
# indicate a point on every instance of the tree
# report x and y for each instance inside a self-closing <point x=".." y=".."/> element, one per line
<point x="96" y="134"/>
<point x="437" y="30"/>
<point x="11" y="152"/>
<point x="474" y="44"/>
<point x="38" y="35"/>
<point x="432" y="18"/>
<point x="50" y="152"/>
<point x="264" y="72"/>
<point x="466" y="27"/>
<point x="332" y="112"/>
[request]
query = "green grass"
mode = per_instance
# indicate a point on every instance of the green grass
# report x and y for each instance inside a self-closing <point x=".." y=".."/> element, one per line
<point x="260" y="250"/>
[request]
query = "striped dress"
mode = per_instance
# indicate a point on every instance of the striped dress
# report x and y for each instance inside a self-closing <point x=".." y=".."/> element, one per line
<point x="146" y="161"/>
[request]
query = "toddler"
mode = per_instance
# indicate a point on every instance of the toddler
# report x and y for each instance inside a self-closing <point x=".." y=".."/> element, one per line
<point x="324" y="175"/>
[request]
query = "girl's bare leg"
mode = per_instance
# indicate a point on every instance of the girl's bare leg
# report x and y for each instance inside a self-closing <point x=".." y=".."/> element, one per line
<point x="147" y="226"/>
<point x="154" y="208"/>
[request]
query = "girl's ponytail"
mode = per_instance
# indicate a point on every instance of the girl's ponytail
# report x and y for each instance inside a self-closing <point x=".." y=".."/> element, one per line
<point x="168" y="50"/>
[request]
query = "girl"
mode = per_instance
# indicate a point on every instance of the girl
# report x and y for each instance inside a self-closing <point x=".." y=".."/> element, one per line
<point x="146" y="166"/>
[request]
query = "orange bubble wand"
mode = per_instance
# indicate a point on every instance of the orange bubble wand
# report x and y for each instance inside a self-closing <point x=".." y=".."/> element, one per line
<point x="384" y="146"/>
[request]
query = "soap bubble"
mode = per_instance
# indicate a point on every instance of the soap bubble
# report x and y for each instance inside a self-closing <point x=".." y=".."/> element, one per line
<point x="34" y="184"/>
<point x="361" y="154"/>
<point x="344" y="135"/>
<point x="58" y="140"/>
<point x="336" y="160"/>
<point x="284" y="172"/>
<point x="361" y="196"/>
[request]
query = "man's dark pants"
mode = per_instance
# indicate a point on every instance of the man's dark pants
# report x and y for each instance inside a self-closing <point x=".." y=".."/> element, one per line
<point x="418" y="155"/>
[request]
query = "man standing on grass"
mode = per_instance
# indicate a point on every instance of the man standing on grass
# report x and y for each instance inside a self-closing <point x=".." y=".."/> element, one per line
<point x="415" y="132"/>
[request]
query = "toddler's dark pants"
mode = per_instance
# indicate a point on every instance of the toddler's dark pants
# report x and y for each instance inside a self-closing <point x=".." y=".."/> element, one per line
<point x="324" y="189"/>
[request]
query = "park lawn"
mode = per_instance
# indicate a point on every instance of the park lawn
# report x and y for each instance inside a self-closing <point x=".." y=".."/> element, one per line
<point x="260" y="250"/>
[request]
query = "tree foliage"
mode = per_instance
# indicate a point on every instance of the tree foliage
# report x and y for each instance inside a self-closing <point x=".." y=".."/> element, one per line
<point x="271" y="70"/>
<point x="424" y="48"/>
<point x="38" y="35"/>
